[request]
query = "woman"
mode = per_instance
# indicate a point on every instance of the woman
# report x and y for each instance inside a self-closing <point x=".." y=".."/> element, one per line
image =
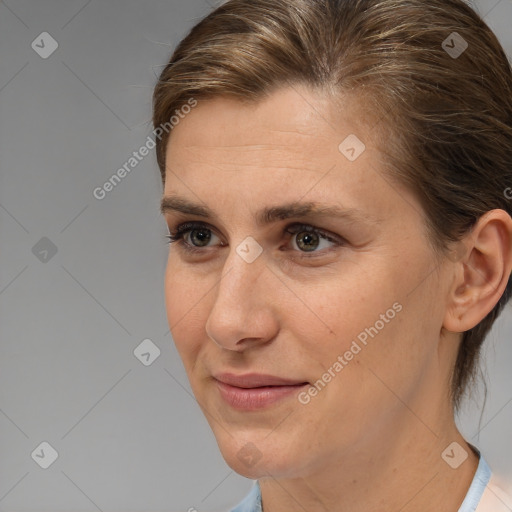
<point x="335" y="187"/>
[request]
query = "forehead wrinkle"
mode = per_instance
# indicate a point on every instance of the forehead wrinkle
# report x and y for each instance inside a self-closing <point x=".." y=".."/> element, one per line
<point x="254" y="147"/>
<point x="239" y="165"/>
<point x="270" y="146"/>
<point x="309" y="134"/>
<point x="283" y="157"/>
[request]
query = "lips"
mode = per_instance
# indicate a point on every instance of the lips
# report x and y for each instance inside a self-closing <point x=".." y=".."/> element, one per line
<point x="255" y="391"/>
<point x="255" y="380"/>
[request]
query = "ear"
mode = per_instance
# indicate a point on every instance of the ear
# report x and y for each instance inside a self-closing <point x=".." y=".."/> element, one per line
<point x="481" y="273"/>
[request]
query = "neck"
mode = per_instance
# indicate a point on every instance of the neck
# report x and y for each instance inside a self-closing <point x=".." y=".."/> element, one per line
<point x="385" y="471"/>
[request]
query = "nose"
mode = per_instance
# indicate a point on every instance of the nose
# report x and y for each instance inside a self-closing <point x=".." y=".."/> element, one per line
<point x="242" y="315"/>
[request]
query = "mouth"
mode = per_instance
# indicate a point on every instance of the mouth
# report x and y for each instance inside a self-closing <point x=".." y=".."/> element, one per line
<point x="255" y="391"/>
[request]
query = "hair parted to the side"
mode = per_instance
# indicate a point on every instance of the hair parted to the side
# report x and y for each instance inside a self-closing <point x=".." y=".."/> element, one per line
<point x="447" y="121"/>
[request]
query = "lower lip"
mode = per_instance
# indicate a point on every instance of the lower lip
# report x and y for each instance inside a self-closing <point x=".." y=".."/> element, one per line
<point x="252" y="399"/>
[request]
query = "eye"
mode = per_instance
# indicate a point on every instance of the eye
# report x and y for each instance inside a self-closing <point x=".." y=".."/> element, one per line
<point x="310" y="238"/>
<point x="308" y="241"/>
<point x="202" y="233"/>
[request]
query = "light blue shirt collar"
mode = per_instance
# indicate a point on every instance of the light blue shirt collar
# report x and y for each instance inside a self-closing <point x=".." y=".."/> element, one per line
<point x="252" y="502"/>
<point x="478" y="485"/>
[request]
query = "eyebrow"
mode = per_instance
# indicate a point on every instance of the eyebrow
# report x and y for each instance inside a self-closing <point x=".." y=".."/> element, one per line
<point x="269" y="214"/>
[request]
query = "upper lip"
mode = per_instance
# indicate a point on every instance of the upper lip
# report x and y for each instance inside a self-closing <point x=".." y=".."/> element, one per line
<point x="254" y="380"/>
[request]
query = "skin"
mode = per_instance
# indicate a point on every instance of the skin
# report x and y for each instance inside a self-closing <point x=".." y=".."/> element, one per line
<point x="372" y="439"/>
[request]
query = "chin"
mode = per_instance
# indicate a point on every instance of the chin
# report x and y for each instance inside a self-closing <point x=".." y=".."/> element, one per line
<point x="255" y="458"/>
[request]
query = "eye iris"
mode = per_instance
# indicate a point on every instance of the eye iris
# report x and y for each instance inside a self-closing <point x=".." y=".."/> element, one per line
<point x="307" y="237"/>
<point x="203" y="237"/>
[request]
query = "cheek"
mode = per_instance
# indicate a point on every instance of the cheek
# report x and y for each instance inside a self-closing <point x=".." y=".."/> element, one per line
<point x="341" y="307"/>
<point x="361" y="316"/>
<point x="173" y="288"/>
<point x="184" y="306"/>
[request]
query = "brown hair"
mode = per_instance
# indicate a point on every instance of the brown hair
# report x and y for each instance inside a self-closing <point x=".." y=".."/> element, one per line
<point x="448" y="117"/>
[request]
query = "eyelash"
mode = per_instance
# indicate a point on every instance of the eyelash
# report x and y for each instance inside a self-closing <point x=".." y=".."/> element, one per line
<point x="177" y="236"/>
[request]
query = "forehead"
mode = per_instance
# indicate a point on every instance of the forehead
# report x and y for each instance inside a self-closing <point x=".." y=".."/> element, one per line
<point x="288" y="146"/>
<point x="292" y="128"/>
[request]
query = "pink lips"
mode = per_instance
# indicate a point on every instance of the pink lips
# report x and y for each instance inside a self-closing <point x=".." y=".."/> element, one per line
<point x="254" y="391"/>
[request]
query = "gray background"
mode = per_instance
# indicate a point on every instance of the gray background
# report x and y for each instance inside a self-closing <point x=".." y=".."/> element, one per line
<point x="129" y="436"/>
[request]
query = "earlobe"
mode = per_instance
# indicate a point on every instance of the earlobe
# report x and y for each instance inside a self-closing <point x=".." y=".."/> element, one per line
<point x="481" y="273"/>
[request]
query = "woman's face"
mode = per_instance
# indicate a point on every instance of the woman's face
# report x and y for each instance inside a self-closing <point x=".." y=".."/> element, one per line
<point x="352" y="309"/>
